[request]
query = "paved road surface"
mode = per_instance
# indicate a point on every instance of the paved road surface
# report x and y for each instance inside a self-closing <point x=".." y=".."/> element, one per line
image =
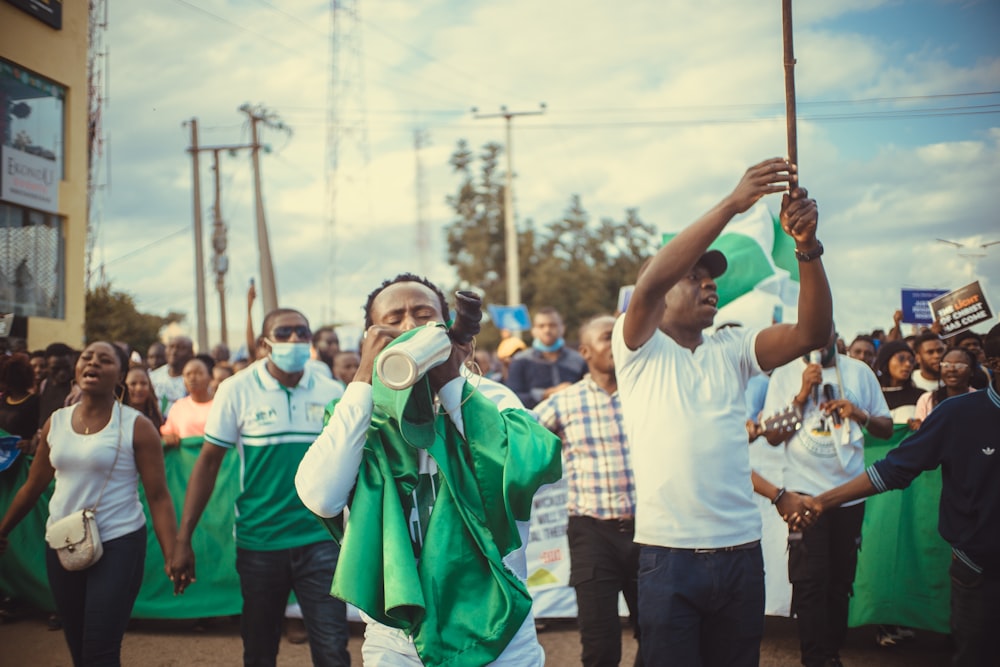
<point x="28" y="643"/>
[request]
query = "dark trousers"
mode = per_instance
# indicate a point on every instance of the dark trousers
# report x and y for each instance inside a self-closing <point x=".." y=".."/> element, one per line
<point x="821" y="570"/>
<point x="266" y="579"/>
<point x="975" y="616"/>
<point x="95" y="604"/>
<point x="604" y="561"/>
<point x="699" y="608"/>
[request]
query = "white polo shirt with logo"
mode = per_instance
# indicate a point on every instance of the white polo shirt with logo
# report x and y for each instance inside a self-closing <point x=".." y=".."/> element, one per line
<point x="271" y="427"/>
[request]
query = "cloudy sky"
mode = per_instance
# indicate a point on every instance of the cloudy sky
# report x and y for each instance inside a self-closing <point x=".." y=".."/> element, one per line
<point x="655" y="105"/>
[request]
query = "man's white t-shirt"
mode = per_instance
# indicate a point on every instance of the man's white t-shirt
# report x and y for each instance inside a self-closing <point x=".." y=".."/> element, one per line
<point x="924" y="383"/>
<point x="821" y="454"/>
<point x="685" y="418"/>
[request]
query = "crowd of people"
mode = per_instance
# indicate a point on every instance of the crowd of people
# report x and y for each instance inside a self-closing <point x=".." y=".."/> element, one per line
<point x="648" y="418"/>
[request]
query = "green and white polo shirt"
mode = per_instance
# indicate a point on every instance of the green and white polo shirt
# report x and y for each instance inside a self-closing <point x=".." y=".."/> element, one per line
<point x="271" y="426"/>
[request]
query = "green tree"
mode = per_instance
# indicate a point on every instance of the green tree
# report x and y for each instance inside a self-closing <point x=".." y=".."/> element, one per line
<point x="578" y="268"/>
<point x="571" y="264"/>
<point x="111" y="315"/>
<point x="475" y="239"/>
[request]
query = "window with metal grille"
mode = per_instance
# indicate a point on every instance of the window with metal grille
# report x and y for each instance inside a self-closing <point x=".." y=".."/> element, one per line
<point x="32" y="266"/>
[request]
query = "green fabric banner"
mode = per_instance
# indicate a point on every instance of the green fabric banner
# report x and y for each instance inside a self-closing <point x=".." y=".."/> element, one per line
<point x="217" y="589"/>
<point x="902" y="576"/>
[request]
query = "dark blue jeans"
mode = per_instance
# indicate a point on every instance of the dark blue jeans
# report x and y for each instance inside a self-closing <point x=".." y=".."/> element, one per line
<point x="266" y="578"/>
<point x="975" y="616"/>
<point x="701" y="608"/>
<point x="603" y="562"/>
<point x="95" y="604"/>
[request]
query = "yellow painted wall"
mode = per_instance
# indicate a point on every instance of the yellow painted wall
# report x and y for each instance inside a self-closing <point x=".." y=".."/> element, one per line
<point x="60" y="55"/>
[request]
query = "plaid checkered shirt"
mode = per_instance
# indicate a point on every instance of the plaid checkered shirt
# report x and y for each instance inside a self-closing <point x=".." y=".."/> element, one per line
<point x="596" y="459"/>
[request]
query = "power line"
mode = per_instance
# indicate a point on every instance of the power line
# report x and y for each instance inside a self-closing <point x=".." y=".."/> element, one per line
<point x="471" y="77"/>
<point x="233" y="24"/>
<point x="709" y="107"/>
<point x="349" y="9"/>
<point x="182" y="230"/>
<point x="903" y="114"/>
<point x="771" y="105"/>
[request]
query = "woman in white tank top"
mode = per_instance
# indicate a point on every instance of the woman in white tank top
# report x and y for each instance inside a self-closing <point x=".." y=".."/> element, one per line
<point x="99" y="449"/>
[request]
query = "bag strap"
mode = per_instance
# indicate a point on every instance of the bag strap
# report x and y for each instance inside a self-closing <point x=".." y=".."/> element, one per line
<point x="118" y="449"/>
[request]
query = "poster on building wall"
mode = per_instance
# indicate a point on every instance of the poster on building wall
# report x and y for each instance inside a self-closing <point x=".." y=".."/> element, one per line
<point x="6" y="324"/>
<point x="48" y="12"/>
<point x="29" y="180"/>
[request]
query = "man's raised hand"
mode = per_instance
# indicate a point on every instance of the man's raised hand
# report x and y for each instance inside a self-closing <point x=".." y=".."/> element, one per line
<point x="799" y="218"/>
<point x="767" y="177"/>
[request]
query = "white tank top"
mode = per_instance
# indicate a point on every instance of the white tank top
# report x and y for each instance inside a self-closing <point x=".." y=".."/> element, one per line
<point x="81" y="465"/>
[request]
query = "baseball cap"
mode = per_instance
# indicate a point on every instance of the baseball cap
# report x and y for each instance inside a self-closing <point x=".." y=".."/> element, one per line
<point x="715" y="262"/>
<point x="508" y="347"/>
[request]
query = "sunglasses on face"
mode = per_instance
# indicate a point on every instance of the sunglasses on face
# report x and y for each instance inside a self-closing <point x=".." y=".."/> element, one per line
<point x="284" y="333"/>
<point x="953" y="366"/>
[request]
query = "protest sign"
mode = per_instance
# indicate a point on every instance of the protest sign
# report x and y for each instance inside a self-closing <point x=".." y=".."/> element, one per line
<point x="961" y="309"/>
<point x="915" y="305"/>
<point x="512" y="318"/>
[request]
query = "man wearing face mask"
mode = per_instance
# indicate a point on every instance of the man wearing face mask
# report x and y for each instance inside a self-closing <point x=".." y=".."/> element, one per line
<point x="270" y="414"/>
<point x="549" y="366"/>
<point x="839" y="398"/>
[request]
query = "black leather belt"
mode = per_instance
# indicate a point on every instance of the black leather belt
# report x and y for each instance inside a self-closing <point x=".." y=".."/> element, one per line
<point x="622" y="525"/>
<point x="739" y="547"/>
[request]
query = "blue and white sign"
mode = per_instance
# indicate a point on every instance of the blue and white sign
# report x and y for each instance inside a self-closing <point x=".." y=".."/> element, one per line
<point x="511" y="318"/>
<point x="916" y="308"/>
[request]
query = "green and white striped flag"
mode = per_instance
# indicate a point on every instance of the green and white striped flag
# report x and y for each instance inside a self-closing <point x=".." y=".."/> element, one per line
<point x="763" y="273"/>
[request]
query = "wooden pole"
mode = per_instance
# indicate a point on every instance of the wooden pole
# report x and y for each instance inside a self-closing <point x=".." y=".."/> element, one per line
<point x="199" y="255"/>
<point x="786" y="31"/>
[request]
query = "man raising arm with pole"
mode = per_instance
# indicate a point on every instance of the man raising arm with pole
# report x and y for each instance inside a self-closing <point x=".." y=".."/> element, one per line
<point x="701" y="575"/>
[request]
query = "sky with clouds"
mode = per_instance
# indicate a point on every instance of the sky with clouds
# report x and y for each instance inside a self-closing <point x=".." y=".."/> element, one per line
<point x="659" y="106"/>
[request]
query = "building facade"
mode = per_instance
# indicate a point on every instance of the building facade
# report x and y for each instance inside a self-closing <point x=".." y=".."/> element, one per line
<point x="44" y="126"/>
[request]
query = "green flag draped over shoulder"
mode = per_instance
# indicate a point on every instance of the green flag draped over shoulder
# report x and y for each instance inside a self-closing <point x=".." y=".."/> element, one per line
<point x="902" y="575"/>
<point x="459" y="602"/>
<point x="763" y="272"/>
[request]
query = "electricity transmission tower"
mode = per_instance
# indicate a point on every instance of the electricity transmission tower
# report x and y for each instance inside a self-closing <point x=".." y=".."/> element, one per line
<point x="347" y="154"/>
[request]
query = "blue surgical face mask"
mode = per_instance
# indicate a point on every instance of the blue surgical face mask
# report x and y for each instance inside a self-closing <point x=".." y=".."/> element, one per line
<point x="542" y="347"/>
<point x="289" y="357"/>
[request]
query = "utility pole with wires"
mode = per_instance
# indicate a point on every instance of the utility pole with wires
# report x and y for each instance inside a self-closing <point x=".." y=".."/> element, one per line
<point x="259" y="114"/>
<point x="510" y="225"/>
<point x="98" y="143"/>
<point x="220" y="261"/>
<point x="199" y="260"/>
